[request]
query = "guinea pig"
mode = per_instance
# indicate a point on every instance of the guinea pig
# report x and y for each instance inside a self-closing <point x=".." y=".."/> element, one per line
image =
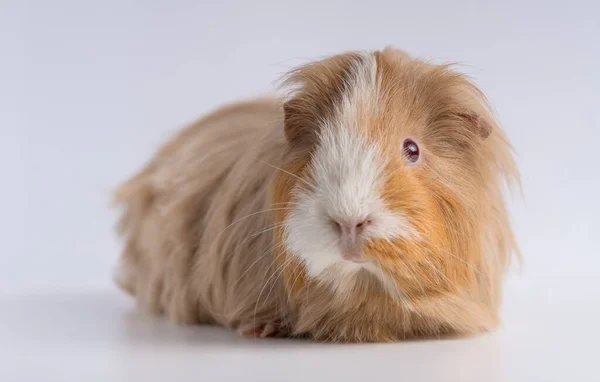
<point x="366" y="204"/>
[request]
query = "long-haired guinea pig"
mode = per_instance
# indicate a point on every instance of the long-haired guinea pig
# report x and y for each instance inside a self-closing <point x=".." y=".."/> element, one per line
<point x="366" y="204"/>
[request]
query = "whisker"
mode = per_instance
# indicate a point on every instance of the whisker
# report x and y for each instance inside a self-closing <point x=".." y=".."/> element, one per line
<point x="286" y="203"/>
<point x="280" y="274"/>
<point x="289" y="173"/>
<point x="267" y="251"/>
<point x="271" y="263"/>
<point x="255" y="234"/>
<point x="383" y="281"/>
<point x="269" y="248"/>
<point x="298" y="271"/>
<point x="440" y="273"/>
<point x="282" y="266"/>
<point x="415" y="276"/>
<point x="307" y="293"/>
<point x="444" y="251"/>
<point x="250" y="215"/>
<point x="413" y="272"/>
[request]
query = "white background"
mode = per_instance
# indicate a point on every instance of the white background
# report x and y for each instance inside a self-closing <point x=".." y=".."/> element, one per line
<point x="88" y="89"/>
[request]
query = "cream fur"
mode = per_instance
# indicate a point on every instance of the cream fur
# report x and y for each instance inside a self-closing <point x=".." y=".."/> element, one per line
<point x="198" y="219"/>
<point x="214" y="224"/>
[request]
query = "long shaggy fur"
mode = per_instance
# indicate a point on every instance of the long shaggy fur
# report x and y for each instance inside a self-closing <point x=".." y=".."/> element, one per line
<point x="204" y="221"/>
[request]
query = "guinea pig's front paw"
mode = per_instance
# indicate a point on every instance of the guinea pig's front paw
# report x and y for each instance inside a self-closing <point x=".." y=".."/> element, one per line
<point x="261" y="330"/>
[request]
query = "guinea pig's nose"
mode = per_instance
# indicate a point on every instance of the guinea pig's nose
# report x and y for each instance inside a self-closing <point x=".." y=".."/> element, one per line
<point x="349" y="229"/>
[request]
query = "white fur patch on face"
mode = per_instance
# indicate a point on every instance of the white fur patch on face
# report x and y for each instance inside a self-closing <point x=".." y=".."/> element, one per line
<point x="347" y="181"/>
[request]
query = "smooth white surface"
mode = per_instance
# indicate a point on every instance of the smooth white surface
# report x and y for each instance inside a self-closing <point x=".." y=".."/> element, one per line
<point x="89" y="89"/>
<point x="97" y="335"/>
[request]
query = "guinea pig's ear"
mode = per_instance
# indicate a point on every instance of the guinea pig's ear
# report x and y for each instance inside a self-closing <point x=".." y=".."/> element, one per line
<point x="298" y="125"/>
<point x="470" y="106"/>
<point x="312" y="92"/>
<point x="475" y="123"/>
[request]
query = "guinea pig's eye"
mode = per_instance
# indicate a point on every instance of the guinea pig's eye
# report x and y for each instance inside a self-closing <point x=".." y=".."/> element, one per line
<point x="411" y="151"/>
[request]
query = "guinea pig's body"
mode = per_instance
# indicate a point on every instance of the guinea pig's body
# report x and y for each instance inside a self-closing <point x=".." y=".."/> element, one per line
<point x="367" y="206"/>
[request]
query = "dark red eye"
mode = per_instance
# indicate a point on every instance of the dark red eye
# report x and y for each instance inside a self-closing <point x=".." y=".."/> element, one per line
<point x="411" y="151"/>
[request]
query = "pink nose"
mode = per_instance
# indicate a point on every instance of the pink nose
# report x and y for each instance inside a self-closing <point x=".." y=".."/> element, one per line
<point x="349" y="229"/>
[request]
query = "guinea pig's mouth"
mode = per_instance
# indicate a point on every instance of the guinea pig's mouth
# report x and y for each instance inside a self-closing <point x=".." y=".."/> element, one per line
<point x="353" y="254"/>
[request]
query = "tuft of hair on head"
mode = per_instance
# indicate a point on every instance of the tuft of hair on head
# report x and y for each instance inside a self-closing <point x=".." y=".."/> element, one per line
<point x="312" y="92"/>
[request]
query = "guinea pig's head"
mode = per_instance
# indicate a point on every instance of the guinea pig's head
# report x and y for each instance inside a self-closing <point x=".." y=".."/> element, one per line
<point x="394" y="169"/>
